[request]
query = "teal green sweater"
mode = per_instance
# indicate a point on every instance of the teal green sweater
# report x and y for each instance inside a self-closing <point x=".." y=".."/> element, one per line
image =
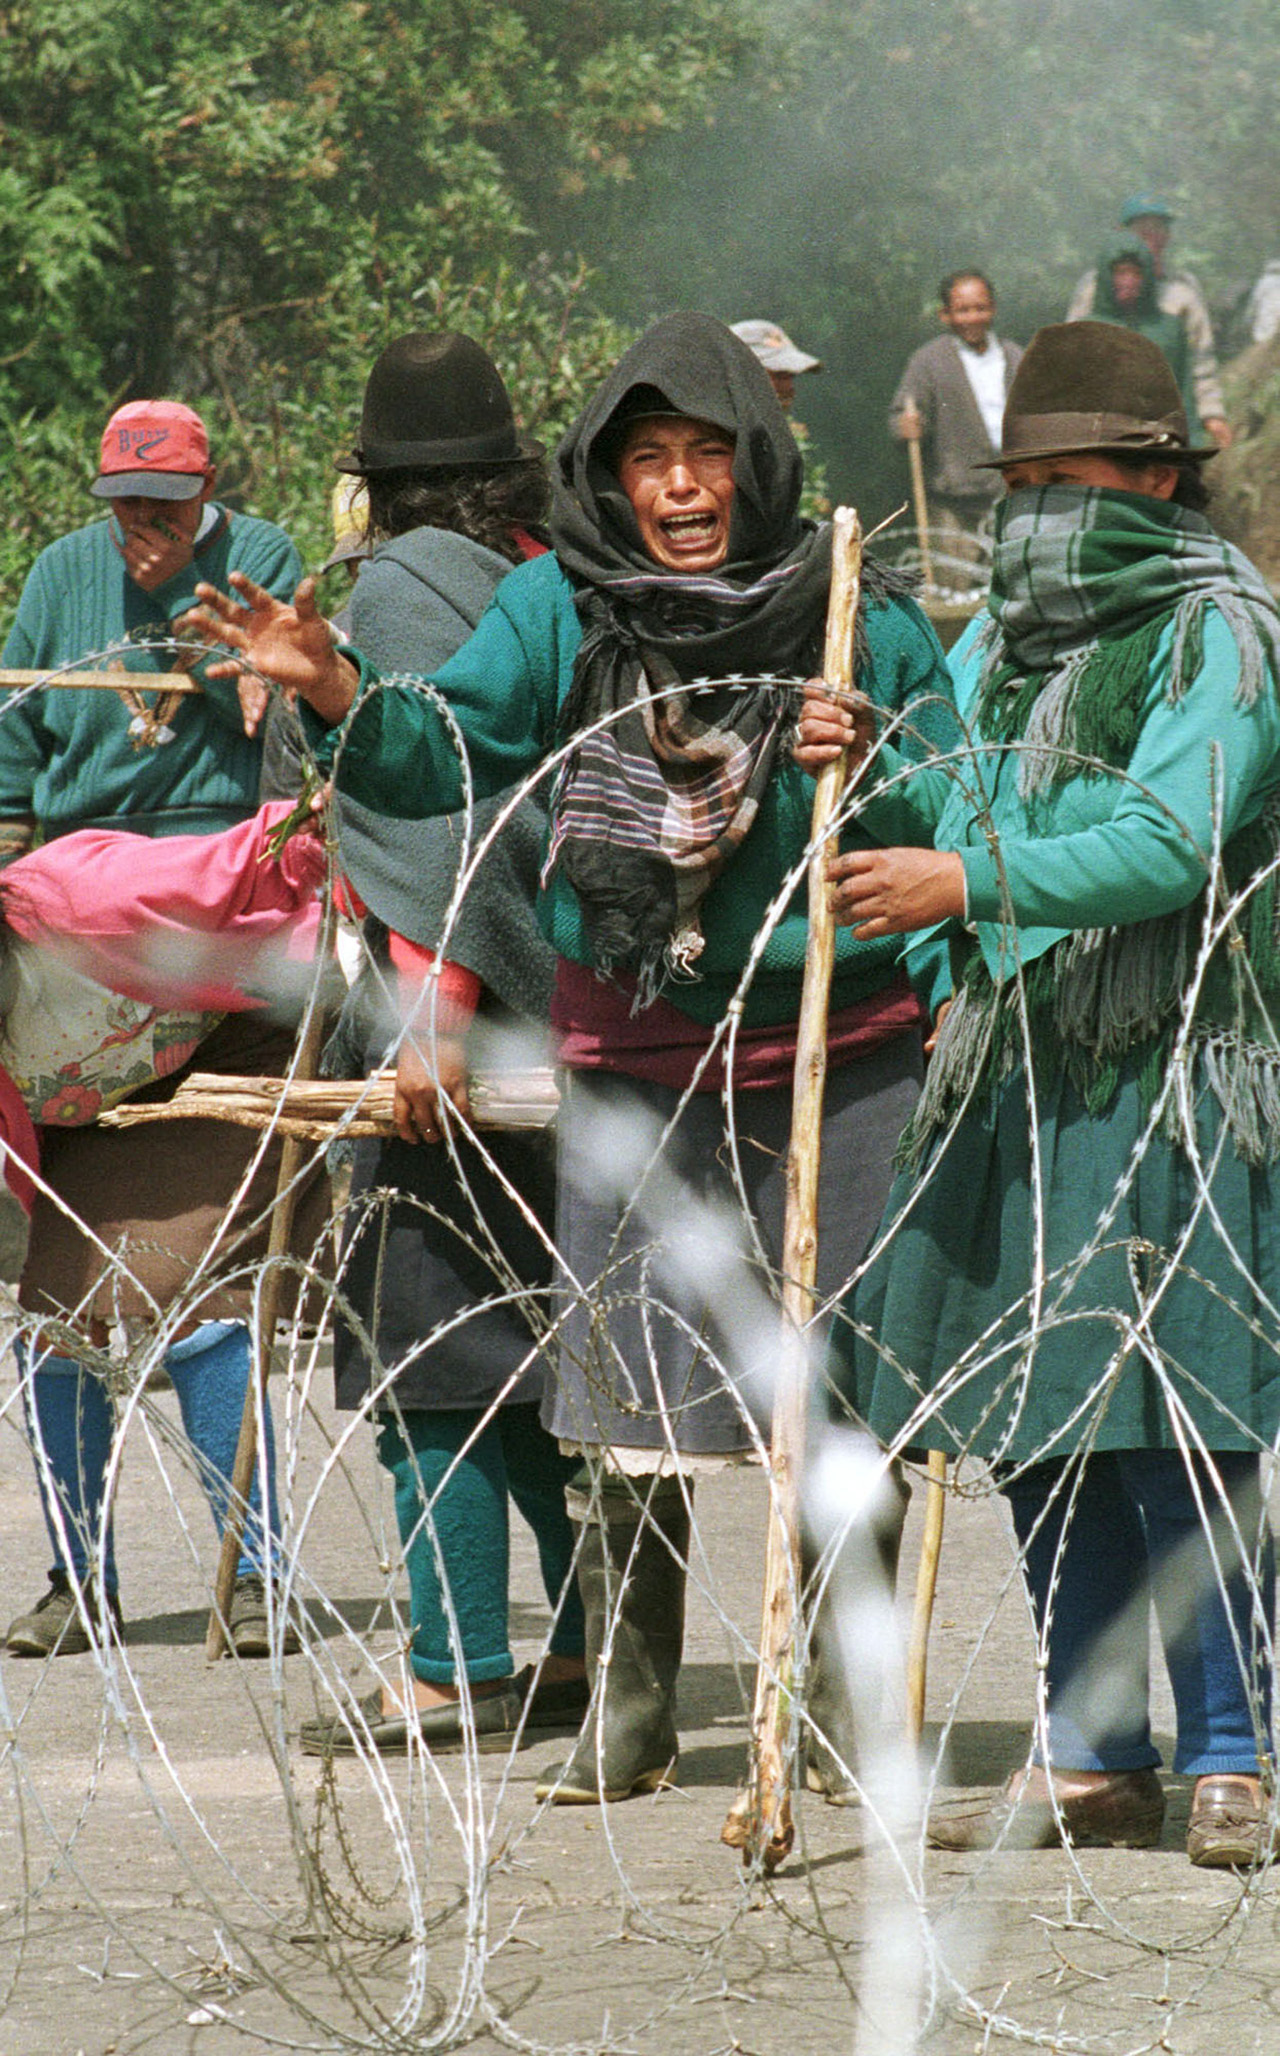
<point x="66" y="757"/>
<point x="505" y="687"/>
<point x="1095" y="852"/>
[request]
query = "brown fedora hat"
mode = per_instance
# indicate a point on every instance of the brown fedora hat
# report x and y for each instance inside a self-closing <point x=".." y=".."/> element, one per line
<point x="1093" y="388"/>
<point x="436" y="400"/>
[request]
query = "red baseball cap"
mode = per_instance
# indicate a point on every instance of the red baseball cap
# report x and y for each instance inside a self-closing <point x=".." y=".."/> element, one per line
<point x="154" y="450"/>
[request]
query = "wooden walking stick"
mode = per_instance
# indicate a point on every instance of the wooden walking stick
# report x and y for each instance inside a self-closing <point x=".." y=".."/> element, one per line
<point x="912" y="429"/>
<point x="759" y="1821"/>
<point x="926" y="1585"/>
<point x="217" y="1638"/>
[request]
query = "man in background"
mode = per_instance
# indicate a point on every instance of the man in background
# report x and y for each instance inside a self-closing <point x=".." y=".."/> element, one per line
<point x="780" y="357"/>
<point x="1177" y="293"/>
<point x="75" y="759"/>
<point x="785" y="363"/>
<point x="951" y="397"/>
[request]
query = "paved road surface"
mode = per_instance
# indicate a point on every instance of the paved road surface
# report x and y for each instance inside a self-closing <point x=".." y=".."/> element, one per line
<point x="175" y="1877"/>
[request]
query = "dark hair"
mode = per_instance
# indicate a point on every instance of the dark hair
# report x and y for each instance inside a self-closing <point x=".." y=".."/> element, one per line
<point x="953" y="279"/>
<point x="1192" y="490"/>
<point x="484" y="502"/>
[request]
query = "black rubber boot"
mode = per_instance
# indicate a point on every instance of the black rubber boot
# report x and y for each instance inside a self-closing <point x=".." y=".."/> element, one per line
<point x="631" y="1572"/>
<point x="867" y="1567"/>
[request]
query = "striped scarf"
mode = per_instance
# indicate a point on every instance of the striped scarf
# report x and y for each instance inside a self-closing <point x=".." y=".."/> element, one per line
<point x="665" y="782"/>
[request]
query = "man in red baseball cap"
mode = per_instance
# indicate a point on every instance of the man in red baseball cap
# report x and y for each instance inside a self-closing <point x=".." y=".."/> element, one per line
<point x="108" y="596"/>
<point x="154" y="468"/>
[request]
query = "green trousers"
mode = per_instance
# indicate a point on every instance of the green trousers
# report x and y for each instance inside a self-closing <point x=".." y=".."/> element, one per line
<point x="453" y="1471"/>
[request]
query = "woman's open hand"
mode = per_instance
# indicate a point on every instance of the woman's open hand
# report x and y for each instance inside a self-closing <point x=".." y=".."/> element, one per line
<point x="828" y="725"/>
<point x="293" y="646"/>
<point x="890" y="892"/>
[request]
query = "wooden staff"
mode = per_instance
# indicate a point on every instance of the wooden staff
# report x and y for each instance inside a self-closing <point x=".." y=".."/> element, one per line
<point x="315" y="1110"/>
<point x="926" y="1586"/>
<point x="912" y="428"/>
<point x="759" y="1821"/>
<point x="217" y="1638"/>
<point x="102" y="681"/>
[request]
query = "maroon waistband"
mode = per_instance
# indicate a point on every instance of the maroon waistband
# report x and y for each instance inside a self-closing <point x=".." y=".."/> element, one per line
<point x="599" y="1032"/>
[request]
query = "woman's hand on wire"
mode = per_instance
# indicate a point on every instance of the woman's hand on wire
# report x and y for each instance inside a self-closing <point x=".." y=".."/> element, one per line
<point x="891" y="892"/>
<point x="292" y="646"/>
<point x="428" y="1067"/>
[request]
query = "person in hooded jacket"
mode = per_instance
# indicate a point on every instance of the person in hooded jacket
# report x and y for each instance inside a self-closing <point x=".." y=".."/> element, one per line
<point x="673" y="897"/>
<point x="432" y="1333"/>
<point x="1127" y="295"/>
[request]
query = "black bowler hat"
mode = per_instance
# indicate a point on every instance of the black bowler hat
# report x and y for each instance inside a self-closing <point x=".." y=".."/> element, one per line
<point x="435" y="401"/>
<point x="1093" y="388"/>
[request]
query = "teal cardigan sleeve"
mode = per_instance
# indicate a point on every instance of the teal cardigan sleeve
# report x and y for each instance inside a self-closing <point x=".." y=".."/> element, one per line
<point x="899" y="802"/>
<point x="396" y="752"/>
<point x="1147" y="849"/>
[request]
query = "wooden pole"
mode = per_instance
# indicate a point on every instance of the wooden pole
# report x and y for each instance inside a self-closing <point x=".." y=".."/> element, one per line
<point x="759" y="1822"/>
<point x="102" y="681"/>
<point x="217" y="1638"/>
<point x="926" y="1586"/>
<point x="912" y="427"/>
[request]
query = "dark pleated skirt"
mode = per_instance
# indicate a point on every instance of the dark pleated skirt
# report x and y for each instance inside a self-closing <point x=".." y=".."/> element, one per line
<point x="668" y="1290"/>
<point x="446" y="1276"/>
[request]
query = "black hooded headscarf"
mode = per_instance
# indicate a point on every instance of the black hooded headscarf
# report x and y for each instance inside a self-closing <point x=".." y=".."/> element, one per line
<point x="706" y="625"/>
<point x="651" y="806"/>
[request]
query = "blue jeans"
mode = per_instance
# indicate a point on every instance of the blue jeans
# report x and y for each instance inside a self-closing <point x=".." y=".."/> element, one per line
<point x="69" y="1410"/>
<point x="1100" y="1542"/>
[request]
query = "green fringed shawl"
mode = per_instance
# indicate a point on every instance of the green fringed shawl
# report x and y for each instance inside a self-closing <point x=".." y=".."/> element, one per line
<point x="1099" y="693"/>
<point x="1106" y="999"/>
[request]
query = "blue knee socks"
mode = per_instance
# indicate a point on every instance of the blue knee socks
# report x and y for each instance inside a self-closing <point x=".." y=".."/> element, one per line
<point x="69" y="1416"/>
<point x="68" y="1409"/>
<point x="210" y="1373"/>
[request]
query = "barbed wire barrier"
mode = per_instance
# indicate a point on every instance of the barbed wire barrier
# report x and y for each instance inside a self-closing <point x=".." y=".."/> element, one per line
<point x="404" y="1900"/>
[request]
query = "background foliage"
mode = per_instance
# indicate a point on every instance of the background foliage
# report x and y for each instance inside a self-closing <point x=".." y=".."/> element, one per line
<point x="240" y="206"/>
<point x="874" y="145"/>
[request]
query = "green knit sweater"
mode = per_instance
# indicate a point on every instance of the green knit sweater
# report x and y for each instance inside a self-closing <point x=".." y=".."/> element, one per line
<point x="506" y="686"/>
<point x="65" y="756"/>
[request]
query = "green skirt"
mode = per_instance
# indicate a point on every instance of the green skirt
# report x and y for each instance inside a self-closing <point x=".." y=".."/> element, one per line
<point x="1019" y="1305"/>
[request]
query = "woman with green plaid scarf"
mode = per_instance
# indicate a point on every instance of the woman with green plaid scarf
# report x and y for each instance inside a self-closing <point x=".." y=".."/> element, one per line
<point x="1078" y="1276"/>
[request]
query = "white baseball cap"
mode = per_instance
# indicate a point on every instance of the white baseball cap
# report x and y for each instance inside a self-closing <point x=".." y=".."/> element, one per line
<point x="774" y="347"/>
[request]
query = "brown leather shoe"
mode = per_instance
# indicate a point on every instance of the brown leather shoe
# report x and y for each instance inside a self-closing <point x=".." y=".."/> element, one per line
<point x="1231" y="1825"/>
<point x="1127" y="1812"/>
